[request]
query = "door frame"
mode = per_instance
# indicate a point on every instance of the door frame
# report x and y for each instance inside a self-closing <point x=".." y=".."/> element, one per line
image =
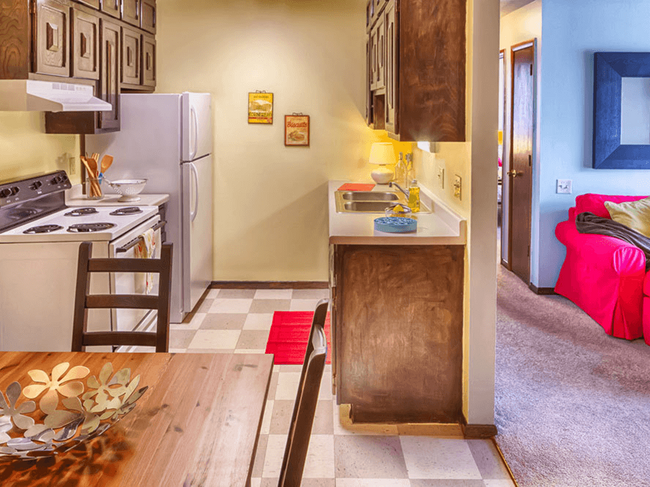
<point x="513" y="49"/>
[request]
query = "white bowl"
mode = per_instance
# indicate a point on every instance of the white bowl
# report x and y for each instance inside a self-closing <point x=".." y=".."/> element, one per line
<point x="128" y="188"/>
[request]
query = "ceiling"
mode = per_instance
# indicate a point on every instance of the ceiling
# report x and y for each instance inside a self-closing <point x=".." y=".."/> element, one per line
<point x="508" y="6"/>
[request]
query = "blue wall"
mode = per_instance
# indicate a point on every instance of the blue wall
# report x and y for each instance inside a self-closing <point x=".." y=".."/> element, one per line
<point x="572" y="30"/>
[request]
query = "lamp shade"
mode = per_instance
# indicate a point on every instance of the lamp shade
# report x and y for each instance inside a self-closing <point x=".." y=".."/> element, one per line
<point x="382" y="154"/>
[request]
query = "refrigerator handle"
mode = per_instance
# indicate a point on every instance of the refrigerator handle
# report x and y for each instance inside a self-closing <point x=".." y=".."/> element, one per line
<point x="195" y="175"/>
<point x="195" y="126"/>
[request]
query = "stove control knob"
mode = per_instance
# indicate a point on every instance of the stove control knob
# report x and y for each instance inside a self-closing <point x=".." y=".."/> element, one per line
<point x="15" y="190"/>
<point x="36" y="185"/>
<point x="5" y="193"/>
<point x="56" y="180"/>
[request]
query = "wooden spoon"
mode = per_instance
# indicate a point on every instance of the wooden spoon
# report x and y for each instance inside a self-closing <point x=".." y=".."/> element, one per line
<point x="106" y="163"/>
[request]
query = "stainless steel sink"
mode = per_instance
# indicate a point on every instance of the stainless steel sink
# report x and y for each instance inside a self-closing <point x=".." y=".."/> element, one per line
<point x="370" y="201"/>
<point x="369" y="196"/>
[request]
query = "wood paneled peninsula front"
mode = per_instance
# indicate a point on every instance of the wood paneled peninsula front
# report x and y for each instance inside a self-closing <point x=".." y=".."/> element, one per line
<point x="397" y="315"/>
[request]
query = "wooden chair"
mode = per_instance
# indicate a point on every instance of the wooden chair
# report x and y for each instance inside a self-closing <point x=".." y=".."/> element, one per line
<point x="84" y="301"/>
<point x="304" y="409"/>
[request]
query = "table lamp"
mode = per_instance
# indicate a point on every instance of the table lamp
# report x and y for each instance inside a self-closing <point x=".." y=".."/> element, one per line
<point x="382" y="154"/>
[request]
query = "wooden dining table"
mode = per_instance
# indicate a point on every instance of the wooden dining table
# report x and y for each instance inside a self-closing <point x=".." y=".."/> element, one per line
<point x="196" y="425"/>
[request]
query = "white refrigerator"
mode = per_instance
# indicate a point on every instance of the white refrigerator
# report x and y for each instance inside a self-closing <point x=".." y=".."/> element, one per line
<point x="167" y="138"/>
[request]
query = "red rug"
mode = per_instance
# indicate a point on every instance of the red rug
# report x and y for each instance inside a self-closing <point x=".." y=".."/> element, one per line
<point x="289" y="336"/>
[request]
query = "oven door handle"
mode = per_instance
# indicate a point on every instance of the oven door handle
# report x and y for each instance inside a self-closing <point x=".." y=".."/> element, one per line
<point x="129" y="245"/>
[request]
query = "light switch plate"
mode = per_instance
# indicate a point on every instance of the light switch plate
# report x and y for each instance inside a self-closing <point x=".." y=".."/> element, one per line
<point x="563" y="186"/>
<point x="458" y="185"/>
<point x="441" y="175"/>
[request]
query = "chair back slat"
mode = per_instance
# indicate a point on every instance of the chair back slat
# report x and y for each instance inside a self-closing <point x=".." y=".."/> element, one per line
<point x="304" y="409"/>
<point x="81" y="338"/>
<point x="131" y="301"/>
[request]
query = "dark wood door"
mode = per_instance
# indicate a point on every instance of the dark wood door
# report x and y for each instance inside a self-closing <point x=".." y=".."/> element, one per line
<point x="149" y="61"/>
<point x="368" y="83"/>
<point x="131" y="12"/>
<point x="112" y="8"/>
<point x="85" y="45"/>
<point x="521" y="160"/>
<point x="131" y="55"/>
<point x="381" y="54"/>
<point x="390" y="73"/>
<point x="148" y="17"/>
<point x="110" y="80"/>
<point x="373" y="59"/>
<point x="52" y="38"/>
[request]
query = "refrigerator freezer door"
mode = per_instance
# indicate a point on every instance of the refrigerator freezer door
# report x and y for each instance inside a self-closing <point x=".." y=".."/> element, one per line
<point x="197" y="126"/>
<point x="197" y="230"/>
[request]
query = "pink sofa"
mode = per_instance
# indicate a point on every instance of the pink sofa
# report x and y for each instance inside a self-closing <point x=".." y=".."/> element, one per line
<point x="603" y="275"/>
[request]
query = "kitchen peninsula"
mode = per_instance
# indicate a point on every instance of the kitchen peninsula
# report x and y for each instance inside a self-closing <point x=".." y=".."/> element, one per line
<point x="397" y="315"/>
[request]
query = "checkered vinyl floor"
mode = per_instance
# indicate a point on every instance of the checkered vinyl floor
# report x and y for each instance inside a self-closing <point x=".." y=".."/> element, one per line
<point x="340" y="454"/>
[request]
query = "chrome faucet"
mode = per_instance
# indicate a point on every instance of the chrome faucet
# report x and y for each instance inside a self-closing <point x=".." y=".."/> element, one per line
<point x="405" y="191"/>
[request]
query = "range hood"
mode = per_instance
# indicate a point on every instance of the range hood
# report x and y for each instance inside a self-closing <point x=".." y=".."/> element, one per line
<point x="46" y="96"/>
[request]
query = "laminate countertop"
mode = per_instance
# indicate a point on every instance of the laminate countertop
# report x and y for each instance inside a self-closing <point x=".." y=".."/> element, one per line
<point x="440" y="227"/>
<point x="74" y="197"/>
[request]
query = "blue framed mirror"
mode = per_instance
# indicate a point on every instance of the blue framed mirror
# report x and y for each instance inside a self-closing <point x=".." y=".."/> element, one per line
<point x="621" y="110"/>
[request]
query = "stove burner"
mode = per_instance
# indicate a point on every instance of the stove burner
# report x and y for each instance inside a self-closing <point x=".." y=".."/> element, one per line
<point x="90" y="227"/>
<point x="81" y="212"/>
<point x="131" y="210"/>
<point x="43" y="229"/>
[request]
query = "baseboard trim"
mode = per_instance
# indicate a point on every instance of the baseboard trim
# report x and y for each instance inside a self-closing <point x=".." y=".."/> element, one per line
<point x="190" y="315"/>
<point x="505" y="264"/>
<point x="543" y="291"/>
<point x="477" y="431"/>
<point x="269" y="285"/>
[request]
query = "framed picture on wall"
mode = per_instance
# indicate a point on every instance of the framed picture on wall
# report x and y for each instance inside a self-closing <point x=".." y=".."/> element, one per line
<point x="260" y="107"/>
<point x="296" y="130"/>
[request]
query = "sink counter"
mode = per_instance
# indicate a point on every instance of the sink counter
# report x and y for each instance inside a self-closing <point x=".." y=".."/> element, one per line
<point x="440" y="227"/>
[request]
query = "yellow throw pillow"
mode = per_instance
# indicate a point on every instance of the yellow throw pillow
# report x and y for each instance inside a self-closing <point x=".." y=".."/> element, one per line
<point x="632" y="214"/>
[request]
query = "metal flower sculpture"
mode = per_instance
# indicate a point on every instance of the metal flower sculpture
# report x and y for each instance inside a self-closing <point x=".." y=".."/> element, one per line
<point x="108" y="399"/>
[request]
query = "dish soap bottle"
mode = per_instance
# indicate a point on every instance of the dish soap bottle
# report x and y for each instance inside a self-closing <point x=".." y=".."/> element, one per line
<point x="414" y="196"/>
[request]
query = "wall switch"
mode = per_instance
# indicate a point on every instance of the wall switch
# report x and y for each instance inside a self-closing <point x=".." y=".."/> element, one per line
<point x="441" y="176"/>
<point x="72" y="165"/>
<point x="563" y="186"/>
<point x="458" y="182"/>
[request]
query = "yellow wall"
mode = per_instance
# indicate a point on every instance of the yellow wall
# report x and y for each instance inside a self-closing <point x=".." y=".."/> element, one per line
<point x="271" y="201"/>
<point x="26" y="149"/>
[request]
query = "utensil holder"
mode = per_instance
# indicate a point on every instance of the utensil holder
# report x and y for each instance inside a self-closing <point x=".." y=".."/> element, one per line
<point x="93" y="189"/>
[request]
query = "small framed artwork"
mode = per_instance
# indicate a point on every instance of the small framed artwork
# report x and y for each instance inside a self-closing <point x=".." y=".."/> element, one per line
<point x="260" y="107"/>
<point x="296" y="130"/>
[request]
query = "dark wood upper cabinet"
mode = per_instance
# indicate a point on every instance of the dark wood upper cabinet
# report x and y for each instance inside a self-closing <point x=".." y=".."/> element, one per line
<point x="52" y="38"/>
<point x="131" y="57"/>
<point x="148" y="60"/>
<point x="90" y="3"/>
<point x="148" y="16"/>
<point x="418" y="93"/>
<point x="109" y="86"/>
<point x="85" y="45"/>
<point x="131" y="12"/>
<point x="112" y="8"/>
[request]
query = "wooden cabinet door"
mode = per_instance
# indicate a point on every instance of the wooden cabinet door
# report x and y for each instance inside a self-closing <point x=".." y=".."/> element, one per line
<point x="131" y="12"/>
<point x="390" y="20"/>
<point x="380" y="77"/>
<point x="148" y="16"/>
<point x="131" y="56"/>
<point x="111" y="7"/>
<point x="52" y="38"/>
<point x="368" y="83"/>
<point x="85" y="45"/>
<point x="109" y="84"/>
<point x="148" y="61"/>
<point x="373" y="59"/>
<point x="90" y="3"/>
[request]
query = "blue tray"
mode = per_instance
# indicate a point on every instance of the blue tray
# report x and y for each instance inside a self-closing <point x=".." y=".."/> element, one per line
<point x="391" y="224"/>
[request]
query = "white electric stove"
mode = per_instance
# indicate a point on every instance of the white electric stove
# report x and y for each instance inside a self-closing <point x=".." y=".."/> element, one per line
<point x="39" y="243"/>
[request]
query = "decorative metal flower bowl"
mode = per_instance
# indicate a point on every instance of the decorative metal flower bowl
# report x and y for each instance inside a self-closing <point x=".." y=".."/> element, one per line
<point x="68" y="413"/>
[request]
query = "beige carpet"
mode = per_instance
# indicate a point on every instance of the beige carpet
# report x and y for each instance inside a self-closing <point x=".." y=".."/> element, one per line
<point x="572" y="403"/>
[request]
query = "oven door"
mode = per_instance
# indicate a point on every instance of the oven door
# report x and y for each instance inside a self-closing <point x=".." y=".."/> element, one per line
<point x="133" y="283"/>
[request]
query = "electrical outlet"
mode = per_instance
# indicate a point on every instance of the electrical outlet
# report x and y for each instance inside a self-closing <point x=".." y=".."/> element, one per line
<point x="458" y="186"/>
<point x="72" y="165"/>
<point x="441" y="176"/>
<point x="563" y="186"/>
